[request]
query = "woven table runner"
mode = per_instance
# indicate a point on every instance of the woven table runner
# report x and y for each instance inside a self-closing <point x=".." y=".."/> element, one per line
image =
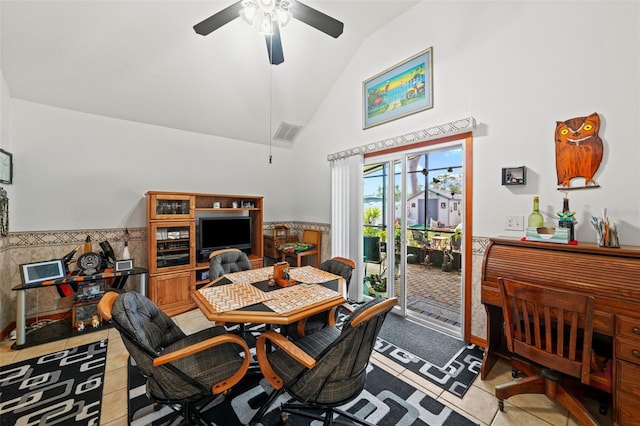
<point x="225" y="298"/>
<point x="299" y="296"/>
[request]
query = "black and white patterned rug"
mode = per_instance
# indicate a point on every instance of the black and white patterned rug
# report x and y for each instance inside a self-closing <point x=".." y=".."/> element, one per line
<point x="60" y="388"/>
<point x="386" y="400"/>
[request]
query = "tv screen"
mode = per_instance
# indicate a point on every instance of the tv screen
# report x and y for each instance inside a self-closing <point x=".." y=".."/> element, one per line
<point x="216" y="233"/>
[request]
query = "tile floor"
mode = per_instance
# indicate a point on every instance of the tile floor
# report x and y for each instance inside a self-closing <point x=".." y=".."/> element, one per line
<point x="479" y="404"/>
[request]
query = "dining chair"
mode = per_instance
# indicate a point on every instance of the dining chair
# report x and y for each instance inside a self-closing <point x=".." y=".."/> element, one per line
<point x="325" y="369"/>
<point x="184" y="372"/>
<point x="227" y="261"/>
<point x="341" y="266"/>
<point x="312" y="237"/>
<point x="550" y="333"/>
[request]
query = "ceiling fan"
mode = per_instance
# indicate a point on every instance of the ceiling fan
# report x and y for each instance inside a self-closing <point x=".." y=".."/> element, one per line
<point x="272" y="14"/>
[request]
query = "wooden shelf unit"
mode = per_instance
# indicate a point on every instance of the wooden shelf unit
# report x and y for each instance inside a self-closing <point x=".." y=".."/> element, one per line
<point x="171" y="241"/>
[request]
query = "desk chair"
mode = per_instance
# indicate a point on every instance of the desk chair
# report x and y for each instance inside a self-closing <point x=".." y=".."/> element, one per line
<point x="552" y="329"/>
<point x="338" y="266"/>
<point x="324" y="370"/>
<point x="183" y="372"/>
<point x="309" y="236"/>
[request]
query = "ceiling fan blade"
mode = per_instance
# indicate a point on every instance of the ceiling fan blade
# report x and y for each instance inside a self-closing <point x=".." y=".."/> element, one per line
<point x="317" y="19"/>
<point x="274" y="46"/>
<point x="219" y="19"/>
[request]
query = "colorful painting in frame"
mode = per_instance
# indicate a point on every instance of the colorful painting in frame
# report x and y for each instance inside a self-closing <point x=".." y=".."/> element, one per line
<point x="404" y="89"/>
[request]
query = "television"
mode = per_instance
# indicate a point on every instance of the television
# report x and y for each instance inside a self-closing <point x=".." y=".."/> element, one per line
<point x="216" y="233"/>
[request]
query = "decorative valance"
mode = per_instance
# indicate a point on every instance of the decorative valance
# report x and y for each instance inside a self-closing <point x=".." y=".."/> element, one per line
<point x="442" y="130"/>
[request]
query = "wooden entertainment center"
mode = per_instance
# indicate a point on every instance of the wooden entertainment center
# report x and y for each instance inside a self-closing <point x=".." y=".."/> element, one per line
<point x="172" y="239"/>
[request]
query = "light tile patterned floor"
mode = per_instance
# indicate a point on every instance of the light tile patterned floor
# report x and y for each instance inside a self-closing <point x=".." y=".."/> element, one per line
<point x="479" y="404"/>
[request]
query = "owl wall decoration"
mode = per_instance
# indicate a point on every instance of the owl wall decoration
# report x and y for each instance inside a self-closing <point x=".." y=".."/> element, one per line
<point x="578" y="151"/>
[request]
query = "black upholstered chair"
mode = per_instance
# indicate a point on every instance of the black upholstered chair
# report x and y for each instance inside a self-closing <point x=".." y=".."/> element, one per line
<point x="325" y="369"/>
<point x="227" y="261"/>
<point x="339" y="266"/>
<point x="184" y="372"/>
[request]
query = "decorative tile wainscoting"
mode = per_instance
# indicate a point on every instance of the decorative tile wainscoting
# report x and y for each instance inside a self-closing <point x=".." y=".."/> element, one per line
<point x="28" y="247"/>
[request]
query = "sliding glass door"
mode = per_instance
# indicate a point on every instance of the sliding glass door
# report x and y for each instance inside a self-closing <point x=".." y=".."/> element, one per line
<point x="413" y="214"/>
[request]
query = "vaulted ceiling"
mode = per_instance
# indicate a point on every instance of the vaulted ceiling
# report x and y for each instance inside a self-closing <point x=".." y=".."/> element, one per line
<point x="142" y="61"/>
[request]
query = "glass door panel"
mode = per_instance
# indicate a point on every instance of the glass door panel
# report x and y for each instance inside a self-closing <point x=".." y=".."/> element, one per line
<point x="413" y="214"/>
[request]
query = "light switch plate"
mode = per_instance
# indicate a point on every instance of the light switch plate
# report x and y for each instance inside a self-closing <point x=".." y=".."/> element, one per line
<point x="513" y="222"/>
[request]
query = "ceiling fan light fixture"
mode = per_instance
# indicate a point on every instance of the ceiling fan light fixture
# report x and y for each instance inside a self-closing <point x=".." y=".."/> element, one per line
<point x="249" y="11"/>
<point x="266" y="26"/>
<point x="284" y="16"/>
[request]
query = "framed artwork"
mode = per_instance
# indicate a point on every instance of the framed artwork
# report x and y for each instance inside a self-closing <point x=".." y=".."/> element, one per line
<point x="403" y="89"/>
<point x="6" y="167"/>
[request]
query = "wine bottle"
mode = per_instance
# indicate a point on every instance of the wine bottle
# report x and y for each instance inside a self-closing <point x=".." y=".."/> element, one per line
<point x="87" y="245"/>
<point x="535" y="218"/>
<point x="107" y="250"/>
<point x="566" y="218"/>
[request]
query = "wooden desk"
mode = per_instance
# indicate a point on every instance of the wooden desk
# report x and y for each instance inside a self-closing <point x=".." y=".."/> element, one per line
<point x="260" y="312"/>
<point x="611" y="276"/>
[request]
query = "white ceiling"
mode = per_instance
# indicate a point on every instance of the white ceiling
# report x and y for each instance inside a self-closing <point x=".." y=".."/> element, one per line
<point x="142" y="61"/>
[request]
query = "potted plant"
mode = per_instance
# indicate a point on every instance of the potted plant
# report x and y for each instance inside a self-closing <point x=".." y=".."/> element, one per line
<point x="376" y="285"/>
<point x="456" y="238"/>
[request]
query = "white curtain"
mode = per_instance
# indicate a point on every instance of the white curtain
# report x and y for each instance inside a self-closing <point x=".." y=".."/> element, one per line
<point x="346" y="216"/>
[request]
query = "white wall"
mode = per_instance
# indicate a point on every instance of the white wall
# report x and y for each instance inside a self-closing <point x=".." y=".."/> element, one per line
<point x="517" y="67"/>
<point x="5" y="114"/>
<point x="81" y="171"/>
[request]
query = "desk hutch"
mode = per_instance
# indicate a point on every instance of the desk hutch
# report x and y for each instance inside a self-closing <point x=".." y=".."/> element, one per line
<point x="610" y="275"/>
<point x="171" y="237"/>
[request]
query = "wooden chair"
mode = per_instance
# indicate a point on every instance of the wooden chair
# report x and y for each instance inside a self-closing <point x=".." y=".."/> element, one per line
<point x="309" y="236"/>
<point x="553" y="330"/>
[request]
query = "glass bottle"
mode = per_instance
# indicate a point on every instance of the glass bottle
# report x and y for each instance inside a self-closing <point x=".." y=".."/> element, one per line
<point x="566" y="219"/>
<point x="535" y="218"/>
<point x="87" y="245"/>
<point x="125" y="251"/>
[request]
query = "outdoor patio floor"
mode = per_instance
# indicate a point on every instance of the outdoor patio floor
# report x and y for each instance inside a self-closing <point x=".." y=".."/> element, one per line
<point x="431" y="292"/>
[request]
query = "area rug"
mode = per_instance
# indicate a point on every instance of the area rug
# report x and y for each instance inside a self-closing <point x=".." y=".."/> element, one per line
<point x="445" y="361"/>
<point x="59" y="388"/>
<point x="386" y="400"/>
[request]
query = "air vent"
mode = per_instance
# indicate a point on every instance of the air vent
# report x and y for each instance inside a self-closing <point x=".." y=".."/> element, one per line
<point x="287" y="132"/>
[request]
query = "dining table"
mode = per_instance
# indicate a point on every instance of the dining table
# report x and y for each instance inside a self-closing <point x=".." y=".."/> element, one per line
<point x="248" y="297"/>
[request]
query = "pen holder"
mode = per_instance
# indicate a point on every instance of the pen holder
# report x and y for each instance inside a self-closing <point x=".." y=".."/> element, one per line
<point x="606" y="231"/>
<point x="281" y="274"/>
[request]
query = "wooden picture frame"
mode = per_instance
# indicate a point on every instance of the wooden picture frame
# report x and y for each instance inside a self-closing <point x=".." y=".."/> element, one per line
<point x="6" y="167"/>
<point x="399" y="91"/>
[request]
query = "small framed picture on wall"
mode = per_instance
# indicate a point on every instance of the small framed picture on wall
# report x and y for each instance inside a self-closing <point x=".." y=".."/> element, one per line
<point x="6" y="167"/>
